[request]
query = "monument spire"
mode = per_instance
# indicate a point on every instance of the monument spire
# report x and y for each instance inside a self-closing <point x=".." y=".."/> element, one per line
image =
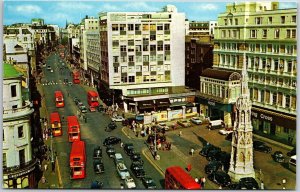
<point x="241" y="161"/>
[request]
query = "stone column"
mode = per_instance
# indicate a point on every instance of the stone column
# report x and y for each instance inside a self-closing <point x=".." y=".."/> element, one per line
<point x="135" y="107"/>
<point x="125" y="106"/>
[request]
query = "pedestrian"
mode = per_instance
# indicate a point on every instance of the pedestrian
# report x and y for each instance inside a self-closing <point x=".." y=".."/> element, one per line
<point x="122" y="186"/>
<point x="192" y="151"/>
<point x="220" y="187"/>
<point x="196" y="180"/>
<point x="189" y="167"/>
<point x="203" y="180"/>
<point x="262" y="186"/>
<point x="180" y="133"/>
<point x="45" y="166"/>
<point x="53" y="166"/>
<point x="121" y="144"/>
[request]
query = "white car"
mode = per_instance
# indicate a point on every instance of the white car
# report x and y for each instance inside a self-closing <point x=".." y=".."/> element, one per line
<point x="122" y="170"/>
<point x="163" y="125"/>
<point x="225" y="131"/>
<point x="129" y="183"/>
<point x="117" y="118"/>
<point x="196" y="120"/>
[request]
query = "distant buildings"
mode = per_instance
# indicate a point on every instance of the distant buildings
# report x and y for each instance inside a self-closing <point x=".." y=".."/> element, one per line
<point x="18" y="163"/>
<point x="200" y="27"/>
<point x="268" y="37"/>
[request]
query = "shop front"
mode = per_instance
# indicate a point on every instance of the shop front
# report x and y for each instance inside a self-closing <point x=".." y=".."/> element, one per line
<point x="215" y="110"/>
<point x="274" y="125"/>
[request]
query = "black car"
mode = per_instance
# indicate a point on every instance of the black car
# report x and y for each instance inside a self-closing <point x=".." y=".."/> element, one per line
<point x="97" y="152"/>
<point x="128" y="148"/>
<point x="220" y="177"/>
<point x="100" y="108"/>
<point x="110" y="151"/>
<point x="96" y="185"/>
<point x="292" y="152"/>
<point x="229" y="137"/>
<point x="261" y="146"/>
<point x="248" y="183"/>
<point x="98" y="166"/>
<point x="212" y="154"/>
<point x="207" y="148"/>
<point x="77" y="101"/>
<point x="136" y="157"/>
<point x="278" y="156"/>
<point x="148" y="183"/>
<point x="138" y="170"/>
<point x="224" y="158"/>
<point x="111" y="126"/>
<point x="212" y="166"/>
<point x="111" y="140"/>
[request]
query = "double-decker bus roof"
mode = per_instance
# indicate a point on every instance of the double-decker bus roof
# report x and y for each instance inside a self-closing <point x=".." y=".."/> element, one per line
<point x="72" y="121"/>
<point x="77" y="151"/>
<point x="54" y="117"/>
<point x="93" y="93"/>
<point x="187" y="181"/>
<point x="58" y="93"/>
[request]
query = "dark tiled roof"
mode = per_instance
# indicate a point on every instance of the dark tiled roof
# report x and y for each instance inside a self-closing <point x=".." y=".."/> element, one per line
<point x="217" y="74"/>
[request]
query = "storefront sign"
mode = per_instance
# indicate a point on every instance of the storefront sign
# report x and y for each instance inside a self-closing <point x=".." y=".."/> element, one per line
<point x="175" y="114"/>
<point x="211" y="103"/>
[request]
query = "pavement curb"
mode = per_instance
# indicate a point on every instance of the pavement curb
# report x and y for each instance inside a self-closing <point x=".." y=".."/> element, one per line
<point x="151" y="160"/>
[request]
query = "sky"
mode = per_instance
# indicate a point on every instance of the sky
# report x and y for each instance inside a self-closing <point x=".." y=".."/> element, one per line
<point x="58" y="12"/>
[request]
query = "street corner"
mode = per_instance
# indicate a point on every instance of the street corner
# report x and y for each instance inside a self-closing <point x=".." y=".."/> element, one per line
<point x="148" y="155"/>
<point x="126" y="132"/>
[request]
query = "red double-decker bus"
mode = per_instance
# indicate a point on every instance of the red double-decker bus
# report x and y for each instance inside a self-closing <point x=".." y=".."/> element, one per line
<point x="93" y="100"/>
<point x="77" y="160"/>
<point x="55" y="124"/>
<point x="73" y="129"/>
<point x="76" y="76"/>
<point x="59" y="99"/>
<point x="177" y="178"/>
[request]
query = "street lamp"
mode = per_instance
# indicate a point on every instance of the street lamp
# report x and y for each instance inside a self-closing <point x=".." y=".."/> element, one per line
<point x="52" y="157"/>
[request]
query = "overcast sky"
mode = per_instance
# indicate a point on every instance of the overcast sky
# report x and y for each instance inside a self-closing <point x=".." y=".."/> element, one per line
<point x="57" y="12"/>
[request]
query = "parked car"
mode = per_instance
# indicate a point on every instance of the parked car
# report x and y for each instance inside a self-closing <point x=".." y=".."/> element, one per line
<point x="148" y="183"/>
<point x="122" y="170"/>
<point x="77" y="101"/>
<point x="138" y="170"/>
<point x="98" y="166"/>
<point x="229" y="136"/>
<point x="205" y="150"/>
<point x="212" y="154"/>
<point x="111" y="126"/>
<point x="110" y="151"/>
<point x="129" y="183"/>
<point x="128" y="148"/>
<point x="161" y="126"/>
<point x="212" y="166"/>
<point x="183" y="123"/>
<point x="261" y="146"/>
<point x="220" y="178"/>
<point x="49" y="68"/>
<point x="278" y="156"/>
<point x="118" y="158"/>
<point x="100" y="108"/>
<point x="226" y="131"/>
<point x="136" y="157"/>
<point x="82" y="108"/>
<point x="117" y="118"/>
<point x="97" y="152"/>
<point x="96" y="185"/>
<point x="292" y="152"/>
<point x="216" y="124"/>
<point x="248" y="183"/>
<point x="111" y="140"/>
<point x="224" y="158"/>
<point x="196" y="120"/>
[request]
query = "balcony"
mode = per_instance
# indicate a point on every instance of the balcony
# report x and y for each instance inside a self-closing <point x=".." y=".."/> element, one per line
<point x="10" y="114"/>
<point x="22" y="169"/>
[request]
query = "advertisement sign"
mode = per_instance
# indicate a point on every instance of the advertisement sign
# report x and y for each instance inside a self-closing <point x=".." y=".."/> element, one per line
<point x="147" y="119"/>
<point x="162" y="116"/>
<point x="175" y="114"/>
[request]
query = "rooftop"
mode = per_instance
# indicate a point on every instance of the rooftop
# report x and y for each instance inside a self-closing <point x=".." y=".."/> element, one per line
<point x="10" y="71"/>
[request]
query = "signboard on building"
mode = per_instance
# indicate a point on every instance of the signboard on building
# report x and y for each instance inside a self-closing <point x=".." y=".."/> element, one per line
<point x="175" y="114"/>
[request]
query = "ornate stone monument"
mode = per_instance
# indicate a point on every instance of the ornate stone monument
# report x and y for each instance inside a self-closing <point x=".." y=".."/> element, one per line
<point x="241" y="161"/>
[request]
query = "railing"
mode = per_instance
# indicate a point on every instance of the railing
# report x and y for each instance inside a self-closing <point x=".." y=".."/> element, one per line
<point x="19" y="167"/>
<point x="26" y="108"/>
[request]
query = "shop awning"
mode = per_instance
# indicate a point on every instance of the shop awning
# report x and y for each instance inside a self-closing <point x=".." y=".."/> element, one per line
<point x="146" y="104"/>
<point x="162" y="102"/>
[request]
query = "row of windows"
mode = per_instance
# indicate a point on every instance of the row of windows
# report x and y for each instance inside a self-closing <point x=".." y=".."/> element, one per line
<point x="142" y="79"/>
<point x="290" y="33"/>
<point x="282" y="82"/>
<point x="273" y="98"/>
<point x="263" y="20"/>
<point x="139" y="48"/>
<point x="20" y="132"/>
<point x="139" y="68"/>
<point x="141" y="58"/>
<point x="138" y="27"/>
<point x="21" y="157"/>
<point x="147" y="91"/>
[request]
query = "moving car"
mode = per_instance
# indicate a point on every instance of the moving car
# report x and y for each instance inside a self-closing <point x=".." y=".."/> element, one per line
<point x="216" y="124"/>
<point x="212" y="154"/>
<point x="97" y="152"/>
<point x="161" y="126"/>
<point x="100" y="108"/>
<point x="205" y="150"/>
<point x="136" y="157"/>
<point x="49" y="67"/>
<point x="229" y="136"/>
<point x="128" y="148"/>
<point x="248" y="183"/>
<point x="117" y="118"/>
<point x="111" y="140"/>
<point x="220" y="178"/>
<point x="278" y="156"/>
<point x="196" y="120"/>
<point x="110" y="151"/>
<point x="118" y="158"/>
<point x="183" y="123"/>
<point x="122" y="170"/>
<point x="82" y="108"/>
<point x="226" y="131"/>
<point x="138" y="170"/>
<point x="98" y="166"/>
<point x="129" y="183"/>
<point x="261" y="146"/>
<point x="212" y="166"/>
<point x="292" y="152"/>
<point x="96" y="185"/>
<point x="148" y="183"/>
<point x="111" y="126"/>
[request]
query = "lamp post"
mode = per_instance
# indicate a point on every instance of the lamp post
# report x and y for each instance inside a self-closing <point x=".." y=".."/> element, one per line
<point x="52" y="157"/>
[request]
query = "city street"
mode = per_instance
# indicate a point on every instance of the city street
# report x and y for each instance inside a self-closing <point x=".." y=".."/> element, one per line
<point x="93" y="133"/>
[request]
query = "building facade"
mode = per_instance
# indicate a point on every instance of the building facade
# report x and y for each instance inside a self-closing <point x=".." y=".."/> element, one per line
<point x="200" y="27"/>
<point x="18" y="162"/>
<point x="142" y="55"/>
<point x="268" y="37"/>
